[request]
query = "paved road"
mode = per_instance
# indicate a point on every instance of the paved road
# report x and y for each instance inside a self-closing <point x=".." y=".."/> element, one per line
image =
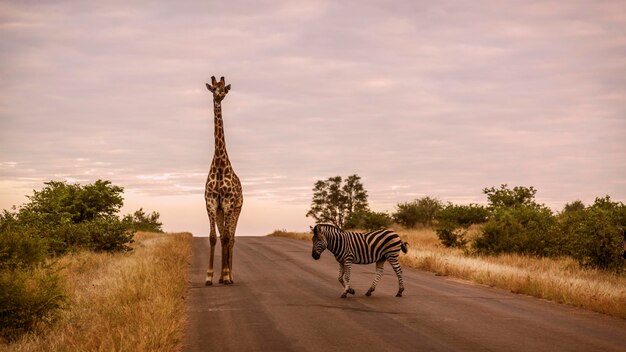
<point x="283" y="300"/>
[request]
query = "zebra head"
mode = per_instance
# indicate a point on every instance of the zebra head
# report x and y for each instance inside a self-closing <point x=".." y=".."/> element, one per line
<point x="319" y="243"/>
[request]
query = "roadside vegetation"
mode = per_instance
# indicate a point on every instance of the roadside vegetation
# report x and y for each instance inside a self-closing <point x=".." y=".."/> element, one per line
<point x="117" y="301"/>
<point x="575" y="256"/>
<point x="60" y="221"/>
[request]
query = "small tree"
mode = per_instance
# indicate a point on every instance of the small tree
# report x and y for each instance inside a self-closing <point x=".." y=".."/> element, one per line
<point x="420" y="211"/>
<point x="333" y="202"/>
<point x="505" y="197"/>
<point x="518" y="224"/>
<point x="454" y="221"/>
<point x="594" y="235"/>
<point x="576" y="205"/>
<point x="140" y="221"/>
<point x="368" y="220"/>
<point x="355" y="194"/>
<point x="60" y="201"/>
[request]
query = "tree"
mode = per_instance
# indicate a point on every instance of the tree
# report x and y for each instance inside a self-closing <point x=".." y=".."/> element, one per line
<point x="140" y="221"/>
<point x="368" y="220"/>
<point x="576" y="205"/>
<point x="518" y="224"/>
<point x="594" y="235"/>
<point x="60" y="201"/>
<point x="420" y="211"/>
<point x="356" y="196"/>
<point x="505" y="197"/>
<point x="454" y="221"/>
<point x="333" y="202"/>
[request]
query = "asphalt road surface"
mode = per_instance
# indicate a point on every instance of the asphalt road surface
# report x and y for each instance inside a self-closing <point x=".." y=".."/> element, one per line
<point x="283" y="300"/>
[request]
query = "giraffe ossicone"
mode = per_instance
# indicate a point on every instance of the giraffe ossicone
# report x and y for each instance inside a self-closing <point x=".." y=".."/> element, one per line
<point x="223" y="194"/>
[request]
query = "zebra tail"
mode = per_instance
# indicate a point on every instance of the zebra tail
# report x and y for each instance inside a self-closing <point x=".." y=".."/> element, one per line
<point x="404" y="246"/>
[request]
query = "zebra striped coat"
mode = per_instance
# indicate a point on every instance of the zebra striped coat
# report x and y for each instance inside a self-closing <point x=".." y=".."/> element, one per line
<point x="359" y="248"/>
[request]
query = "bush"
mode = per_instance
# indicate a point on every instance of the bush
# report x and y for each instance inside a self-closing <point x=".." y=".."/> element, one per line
<point x="59" y="218"/>
<point x="594" y="235"/>
<point x="30" y="291"/>
<point x="524" y="229"/>
<point x="19" y="250"/>
<point x="140" y="221"/>
<point x="454" y="221"/>
<point x="574" y="206"/>
<point x="420" y="211"/>
<point x="505" y="197"/>
<point x="61" y="201"/>
<point x="452" y="236"/>
<point x="28" y="297"/>
<point x="368" y="220"/>
<point x="110" y="235"/>
<point x="68" y="217"/>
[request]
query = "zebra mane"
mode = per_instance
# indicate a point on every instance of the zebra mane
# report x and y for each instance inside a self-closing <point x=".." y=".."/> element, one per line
<point x="325" y="226"/>
<point x="328" y="225"/>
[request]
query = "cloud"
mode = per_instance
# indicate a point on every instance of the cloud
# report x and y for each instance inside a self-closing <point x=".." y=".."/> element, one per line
<point x="432" y="98"/>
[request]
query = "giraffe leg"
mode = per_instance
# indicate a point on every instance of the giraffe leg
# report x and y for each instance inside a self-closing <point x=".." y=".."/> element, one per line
<point x="396" y="267"/>
<point x="211" y="205"/>
<point x="223" y="274"/>
<point x="223" y="241"/>
<point x="347" y="289"/>
<point x="228" y="278"/>
<point x="230" y="220"/>
<point x="379" y="272"/>
<point x="213" y="241"/>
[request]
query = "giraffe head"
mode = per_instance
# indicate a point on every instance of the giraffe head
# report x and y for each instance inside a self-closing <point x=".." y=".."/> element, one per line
<point x="219" y="89"/>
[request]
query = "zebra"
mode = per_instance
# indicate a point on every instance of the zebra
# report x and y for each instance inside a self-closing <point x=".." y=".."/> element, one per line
<point x="359" y="248"/>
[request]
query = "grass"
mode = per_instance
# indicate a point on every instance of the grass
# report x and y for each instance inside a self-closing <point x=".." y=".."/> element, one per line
<point x="120" y="302"/>
<point x="560" y="280"/>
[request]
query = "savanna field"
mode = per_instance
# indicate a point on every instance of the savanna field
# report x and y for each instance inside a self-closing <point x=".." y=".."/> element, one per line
<point x="118" y="301"/>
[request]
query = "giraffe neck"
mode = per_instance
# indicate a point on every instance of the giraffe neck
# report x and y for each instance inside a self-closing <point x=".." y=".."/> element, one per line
<point x="220" y="141"/>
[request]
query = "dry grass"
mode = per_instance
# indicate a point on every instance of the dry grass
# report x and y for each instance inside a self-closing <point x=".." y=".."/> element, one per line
<point x="121" y="302"/>
<point x="560" y="280"/>
<point x="304" y="236"/>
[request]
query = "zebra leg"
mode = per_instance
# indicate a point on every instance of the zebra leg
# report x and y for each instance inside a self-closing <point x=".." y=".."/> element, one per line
<point x="379" y="272"/>
<point x="347" y="289"/>
<point x="396" y="267"/>
<point x="341" y="271"/>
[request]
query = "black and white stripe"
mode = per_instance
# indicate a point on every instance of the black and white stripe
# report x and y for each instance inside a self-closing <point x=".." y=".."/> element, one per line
<point x="359" y="248"/>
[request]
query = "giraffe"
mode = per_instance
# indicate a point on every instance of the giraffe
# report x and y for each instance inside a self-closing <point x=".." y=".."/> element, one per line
<point x="223" y="194"/>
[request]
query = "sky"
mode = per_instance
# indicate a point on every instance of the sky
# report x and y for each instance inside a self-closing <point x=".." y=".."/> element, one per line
<point x="419" y="98"/>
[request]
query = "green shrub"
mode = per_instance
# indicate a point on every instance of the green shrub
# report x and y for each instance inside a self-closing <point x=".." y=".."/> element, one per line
<point x="140" y="221"/>
<point x="420" y="211"/>
<point x="110" y="235"/>
<point x="30" y="291"/>
<point x="452" y="236"/>
<point x="59" y="218"/>
<point x="524" y="229"/>
<point x="574" y="206"/>
<point x="19" y="250"/>
<point x="368" y="220"/>
<point x="29" y="297"/>
<point x="594" y="235"/>
<point x="505" y="197"/>
<point x="463" y="215"/>
<point x="71" y="216"/>
<point x="454" y="221"/>
<point x="61" y="201"/>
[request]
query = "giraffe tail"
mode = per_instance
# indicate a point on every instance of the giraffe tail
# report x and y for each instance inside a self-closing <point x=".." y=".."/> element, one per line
<point x="404" y="246"/>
